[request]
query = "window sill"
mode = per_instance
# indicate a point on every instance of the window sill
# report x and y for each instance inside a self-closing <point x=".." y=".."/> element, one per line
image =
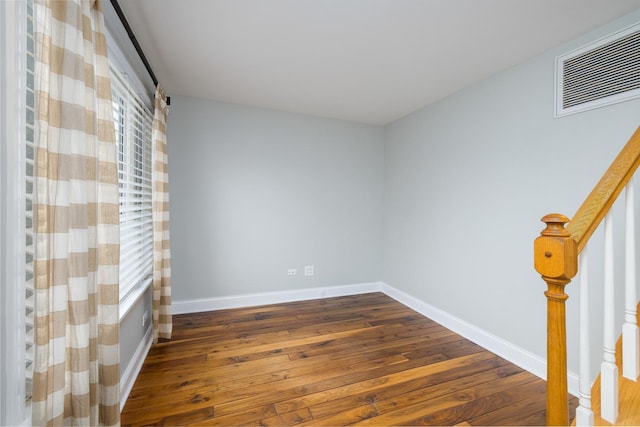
<point x="132" y="297"/>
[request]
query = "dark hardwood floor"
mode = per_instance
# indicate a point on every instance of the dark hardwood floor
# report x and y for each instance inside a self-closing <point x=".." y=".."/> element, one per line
<point x="363" y="359"/>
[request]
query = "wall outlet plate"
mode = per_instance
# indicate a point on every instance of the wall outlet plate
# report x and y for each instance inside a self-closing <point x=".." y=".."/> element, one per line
<point x="292" y="272"/>
<point x="309" y="270"/>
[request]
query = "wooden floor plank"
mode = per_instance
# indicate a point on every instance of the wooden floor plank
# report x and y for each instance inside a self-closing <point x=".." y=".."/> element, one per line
<point x="485" y="405"/>
<point x="531" y="408"/>
<point x="450" y="380"/>
<point x="320" y="353"/>
<point x="373" y="380"/>
<point x="410" y="408"/>
<point x="389" y="339"/>
<point x="360" y="359"/>
<point x="288" y="419"/>
<point x="357" y="380"/>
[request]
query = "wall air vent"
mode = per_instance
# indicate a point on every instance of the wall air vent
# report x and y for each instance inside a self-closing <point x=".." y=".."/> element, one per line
<point x="602" y="73"/>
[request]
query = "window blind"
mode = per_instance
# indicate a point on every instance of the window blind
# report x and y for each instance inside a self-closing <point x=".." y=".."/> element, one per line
<point x="133" y="123"/>
<point x="29" y="159"/>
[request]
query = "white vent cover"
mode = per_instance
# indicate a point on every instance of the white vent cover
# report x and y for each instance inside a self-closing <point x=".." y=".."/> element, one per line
<point x="601" y="73"/>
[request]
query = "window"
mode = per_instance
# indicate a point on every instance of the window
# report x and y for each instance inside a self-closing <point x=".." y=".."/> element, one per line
<point x="17" y="137"/>
<point x="133" y="123"/>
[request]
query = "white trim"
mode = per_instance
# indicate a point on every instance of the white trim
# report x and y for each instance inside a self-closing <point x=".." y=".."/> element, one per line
<point x="13" y="410"/>
<point x="132" y="297"/>
<point x="250" y="300"/>
<point x="128" y="377"/>
<point x="514" y="354"/>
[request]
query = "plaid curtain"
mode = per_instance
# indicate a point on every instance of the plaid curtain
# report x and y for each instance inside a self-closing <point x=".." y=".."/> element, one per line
<point x="76" y="225"/>
<point x="162" y="323"/>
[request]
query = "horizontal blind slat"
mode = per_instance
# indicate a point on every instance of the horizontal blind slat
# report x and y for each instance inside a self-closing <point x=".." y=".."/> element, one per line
<point x="133" y="134"/>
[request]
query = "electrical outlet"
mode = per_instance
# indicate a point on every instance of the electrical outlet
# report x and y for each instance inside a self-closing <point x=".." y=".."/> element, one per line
<point x="292" y="272"/>
<point x="308" y="270"/>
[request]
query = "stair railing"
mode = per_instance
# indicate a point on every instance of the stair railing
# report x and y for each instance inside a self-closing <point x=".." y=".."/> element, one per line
<point x="556" y="253"/>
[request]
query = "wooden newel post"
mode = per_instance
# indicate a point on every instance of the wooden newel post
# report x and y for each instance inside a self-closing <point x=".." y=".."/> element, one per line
<point x="556" y="259"/>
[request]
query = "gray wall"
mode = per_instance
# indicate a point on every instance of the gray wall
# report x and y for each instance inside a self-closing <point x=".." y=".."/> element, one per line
<point x="443" y="204"/>
<point x="255" y="192"/>
<point x="467" y="181"/>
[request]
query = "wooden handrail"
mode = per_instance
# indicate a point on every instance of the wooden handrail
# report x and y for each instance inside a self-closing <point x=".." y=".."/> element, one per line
<point x="595" y="207"/>
<point x="556" y="259"/>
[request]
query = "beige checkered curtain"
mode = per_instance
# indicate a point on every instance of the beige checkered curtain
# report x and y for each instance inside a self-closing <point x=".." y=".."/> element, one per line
<point x="162" y="323"/>
<point x="76" y="225"/>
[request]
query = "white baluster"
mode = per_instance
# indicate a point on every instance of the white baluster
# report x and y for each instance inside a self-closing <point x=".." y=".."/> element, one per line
<point x="584" y="414"/>
<point x="630" y="337"/>
<point x="608" y="368"/>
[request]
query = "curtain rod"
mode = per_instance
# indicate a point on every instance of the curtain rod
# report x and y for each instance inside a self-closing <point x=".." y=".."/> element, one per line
<point x="132" y="36"/>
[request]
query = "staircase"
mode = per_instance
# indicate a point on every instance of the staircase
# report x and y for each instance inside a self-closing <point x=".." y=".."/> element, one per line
<point x="629" y="397"/>
<point x="559" y="253"/>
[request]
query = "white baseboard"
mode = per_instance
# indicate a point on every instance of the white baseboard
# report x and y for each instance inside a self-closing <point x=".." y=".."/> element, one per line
<point x="250" y="300"/>
<point x="514" y="354"/>
<point x="128" y="377"/>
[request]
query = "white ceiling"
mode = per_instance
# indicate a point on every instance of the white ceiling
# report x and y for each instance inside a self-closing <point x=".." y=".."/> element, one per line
<point x="369" y="61"/>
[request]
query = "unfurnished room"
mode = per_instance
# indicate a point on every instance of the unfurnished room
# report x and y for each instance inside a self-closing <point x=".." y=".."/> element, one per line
<point x="319" y="212"/>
